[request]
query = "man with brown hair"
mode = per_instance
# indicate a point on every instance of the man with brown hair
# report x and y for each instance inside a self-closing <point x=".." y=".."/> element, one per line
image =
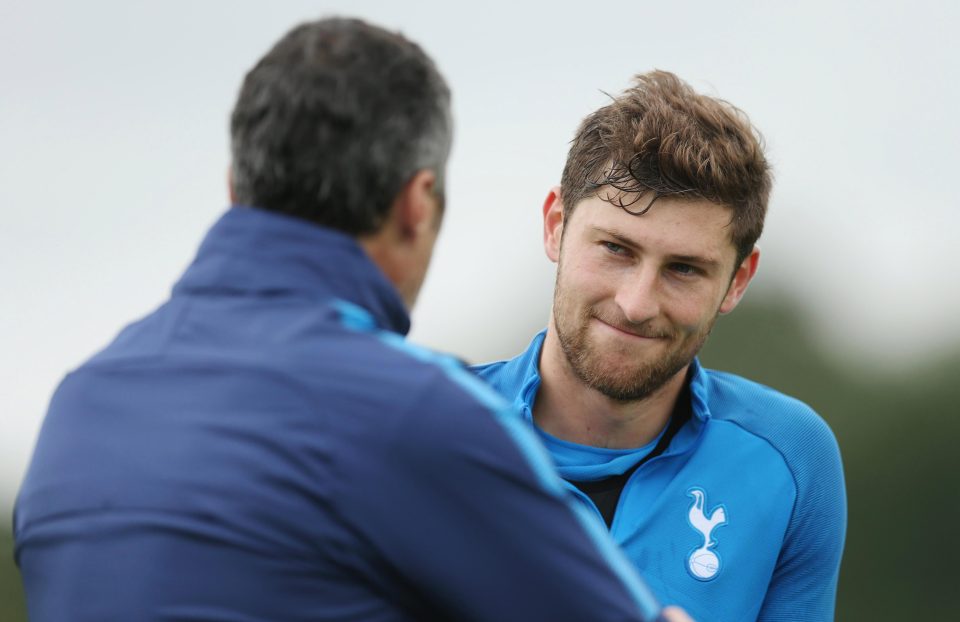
<point x="727" y="495"/>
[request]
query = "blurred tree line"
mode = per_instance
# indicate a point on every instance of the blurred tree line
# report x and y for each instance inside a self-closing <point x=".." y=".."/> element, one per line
<point x="897" y="431"/>
<point x="12" y="608"/>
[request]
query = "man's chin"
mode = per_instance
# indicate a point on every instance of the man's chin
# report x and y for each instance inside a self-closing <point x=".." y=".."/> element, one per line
<point x="627" y="378"/>
<point x="619" y="390"/>
<point x="614" y="377"/>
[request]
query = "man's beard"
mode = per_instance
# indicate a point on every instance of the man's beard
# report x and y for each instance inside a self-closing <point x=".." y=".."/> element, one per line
<point x="630" y="384"/>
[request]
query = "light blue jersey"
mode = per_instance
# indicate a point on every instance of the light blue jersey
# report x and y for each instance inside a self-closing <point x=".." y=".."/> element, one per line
<point x="742" y="517"/>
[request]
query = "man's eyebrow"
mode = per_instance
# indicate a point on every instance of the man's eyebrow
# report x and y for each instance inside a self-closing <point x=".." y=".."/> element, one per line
<point x="706" y="262"/>
<point x="619" y="237"/>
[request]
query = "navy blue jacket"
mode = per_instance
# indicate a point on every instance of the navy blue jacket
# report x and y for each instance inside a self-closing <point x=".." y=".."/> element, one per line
<point x="266" y="446"/>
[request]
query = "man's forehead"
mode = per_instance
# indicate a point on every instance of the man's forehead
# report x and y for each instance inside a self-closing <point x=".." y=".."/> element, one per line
<point x="701" y="226"/>
<point x="702" y="213"/>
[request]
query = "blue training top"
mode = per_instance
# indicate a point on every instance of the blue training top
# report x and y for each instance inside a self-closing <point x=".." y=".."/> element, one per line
<point x="742" y="517"/>
<point x="266" y="447"/>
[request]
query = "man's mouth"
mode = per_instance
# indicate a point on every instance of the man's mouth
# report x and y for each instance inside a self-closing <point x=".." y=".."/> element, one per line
<point x="638" y="332"/>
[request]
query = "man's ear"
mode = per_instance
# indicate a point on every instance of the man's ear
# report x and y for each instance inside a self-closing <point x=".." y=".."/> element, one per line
<point x="416" y="207"/>
<point x="230" y="191"/>
<point x="741" y="279"/>
<point x="552" y="224"/>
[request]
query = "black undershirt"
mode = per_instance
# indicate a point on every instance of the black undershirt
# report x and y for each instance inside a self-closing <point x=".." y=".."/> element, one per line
<point x="605" y="493"/>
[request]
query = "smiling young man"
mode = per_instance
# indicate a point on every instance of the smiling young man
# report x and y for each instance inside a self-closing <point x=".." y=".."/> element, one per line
<point x="726" y="494"/>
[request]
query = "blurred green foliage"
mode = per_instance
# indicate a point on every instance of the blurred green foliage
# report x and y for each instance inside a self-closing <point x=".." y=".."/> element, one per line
<point x="12" y="607"/>
<point x="897" y="432"/>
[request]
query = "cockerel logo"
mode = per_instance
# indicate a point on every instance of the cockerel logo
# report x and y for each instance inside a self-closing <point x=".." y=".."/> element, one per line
<point x="703" y="562"/>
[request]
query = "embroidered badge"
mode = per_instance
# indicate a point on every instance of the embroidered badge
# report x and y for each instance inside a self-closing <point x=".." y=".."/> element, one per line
<point x="704" y="563"/>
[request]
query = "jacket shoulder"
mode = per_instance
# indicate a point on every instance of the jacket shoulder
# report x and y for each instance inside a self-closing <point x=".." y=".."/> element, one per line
<point x="793" y="429"/>
<point x="509" y="377"/>
<point x="785" y="422"/>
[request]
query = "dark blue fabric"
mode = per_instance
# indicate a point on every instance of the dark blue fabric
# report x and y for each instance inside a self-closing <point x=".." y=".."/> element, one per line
<point x="248" y="452"/>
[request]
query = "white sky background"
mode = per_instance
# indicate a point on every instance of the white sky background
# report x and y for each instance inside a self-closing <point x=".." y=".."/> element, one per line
<point x="114" y="150"/>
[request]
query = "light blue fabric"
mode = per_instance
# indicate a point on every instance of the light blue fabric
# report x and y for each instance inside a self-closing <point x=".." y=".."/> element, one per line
<point x="583" y="463"/>
<point x="742" y="517"/>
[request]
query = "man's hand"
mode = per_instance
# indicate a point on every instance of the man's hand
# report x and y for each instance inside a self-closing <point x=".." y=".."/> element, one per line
<point x="675" y="614"/>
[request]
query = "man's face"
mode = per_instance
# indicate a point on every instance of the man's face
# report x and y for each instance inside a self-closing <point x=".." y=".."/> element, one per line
<point x="636" y="296"/>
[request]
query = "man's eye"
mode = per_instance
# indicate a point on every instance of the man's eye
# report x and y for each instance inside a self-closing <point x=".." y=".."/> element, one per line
<point x="616" y="249"/>
<point x="683" y="269"/>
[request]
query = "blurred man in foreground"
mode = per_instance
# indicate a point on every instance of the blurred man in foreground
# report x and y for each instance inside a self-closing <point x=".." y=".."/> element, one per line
<point x="726" y="495"/>
<point x="266" y="446"/>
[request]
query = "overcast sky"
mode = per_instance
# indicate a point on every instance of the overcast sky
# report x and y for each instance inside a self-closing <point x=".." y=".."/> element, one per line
<point x="113" y="159"/>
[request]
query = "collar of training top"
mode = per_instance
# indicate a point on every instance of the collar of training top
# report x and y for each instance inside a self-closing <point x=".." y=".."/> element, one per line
<point x="251" y="251"/>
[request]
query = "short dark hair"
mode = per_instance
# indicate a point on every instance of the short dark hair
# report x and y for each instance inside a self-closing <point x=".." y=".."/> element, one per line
<point x="663" y="138"/>
<point x="334" y="120"/>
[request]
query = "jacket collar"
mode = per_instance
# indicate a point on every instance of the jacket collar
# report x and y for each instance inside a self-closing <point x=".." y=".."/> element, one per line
<point x="255" y="252"/>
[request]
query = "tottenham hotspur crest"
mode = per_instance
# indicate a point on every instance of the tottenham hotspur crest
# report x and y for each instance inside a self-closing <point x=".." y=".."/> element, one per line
<point x="703" y="562"/>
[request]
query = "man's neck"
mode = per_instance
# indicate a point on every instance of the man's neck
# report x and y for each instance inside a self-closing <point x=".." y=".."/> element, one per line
<point x="569" y="410"/>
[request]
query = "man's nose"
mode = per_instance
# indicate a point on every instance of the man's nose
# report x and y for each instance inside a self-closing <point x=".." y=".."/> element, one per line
<point x="638" y="295"/>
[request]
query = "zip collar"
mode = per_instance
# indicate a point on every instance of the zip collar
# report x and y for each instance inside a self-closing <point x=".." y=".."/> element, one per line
<point x="254" y="252"/>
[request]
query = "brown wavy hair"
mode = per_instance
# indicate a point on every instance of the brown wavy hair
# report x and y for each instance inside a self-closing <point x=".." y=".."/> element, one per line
<point x="660" y="138"/>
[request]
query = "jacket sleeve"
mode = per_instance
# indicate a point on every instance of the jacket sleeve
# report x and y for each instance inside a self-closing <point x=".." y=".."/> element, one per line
<point x="804" y="583"/>
<point x="463" y="503"/>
